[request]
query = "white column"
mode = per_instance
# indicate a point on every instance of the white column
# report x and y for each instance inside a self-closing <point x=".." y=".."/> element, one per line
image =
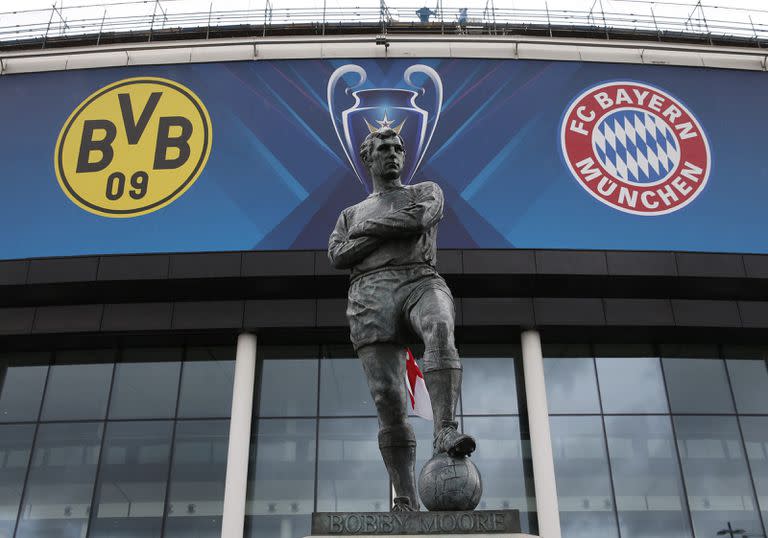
<point x="541" y="442"/>
<point x="233" y="517"/>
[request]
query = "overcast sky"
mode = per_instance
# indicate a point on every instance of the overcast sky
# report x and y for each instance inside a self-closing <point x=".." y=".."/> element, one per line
<point x="724" y="16"/>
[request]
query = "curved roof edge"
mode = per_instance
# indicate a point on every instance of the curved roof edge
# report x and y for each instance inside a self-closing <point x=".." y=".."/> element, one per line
<point x="390" y="46"/>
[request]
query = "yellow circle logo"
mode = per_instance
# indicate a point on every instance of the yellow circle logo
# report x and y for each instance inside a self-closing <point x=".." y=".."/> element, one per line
<point x="133" y="147"/>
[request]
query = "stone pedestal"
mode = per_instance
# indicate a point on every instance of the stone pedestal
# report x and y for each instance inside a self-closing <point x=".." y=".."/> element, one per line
<point x="476" y="523"/>
<point x="495" y="535"/>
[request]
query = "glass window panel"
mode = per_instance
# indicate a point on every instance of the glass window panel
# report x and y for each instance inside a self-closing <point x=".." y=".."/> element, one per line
<point x="504" y="461"/>
<point x="716" y="475"/>
<point x="489" y="384"/>
<point x="350" y="473"/>
<point x="582" y="476"/>
<point x="196" y="495"/>
<point x="288" y="388"/>
<point x="344" y="388"/>
<point x="15" y="445"/>
<point x="749" y="379"/>
<point x="281" y="478"/>
<point x="755" y="430"/>
<point x="60" y="483"/>
<point x="697" y="385"/>
<point x="22" y="378"/>
<point x="206" y="382"/>
<point x="631" y="385"/>
<point x="646" y="477"/>
<point x="277" y="526"/>
<point x="571" y="385"/>
<point x="130" y="493"/>
<point x="146" y="384"/>
<point x="78" y="385"/>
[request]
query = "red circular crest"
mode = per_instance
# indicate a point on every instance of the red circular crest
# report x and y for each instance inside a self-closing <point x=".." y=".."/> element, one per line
<point x="635" y="148"/>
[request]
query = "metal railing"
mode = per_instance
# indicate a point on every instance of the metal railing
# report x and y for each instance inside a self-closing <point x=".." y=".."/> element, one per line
<point x="663" y="19"/>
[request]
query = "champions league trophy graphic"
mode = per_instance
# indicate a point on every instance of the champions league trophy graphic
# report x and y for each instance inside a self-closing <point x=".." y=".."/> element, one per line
<point x="378" y="108"/>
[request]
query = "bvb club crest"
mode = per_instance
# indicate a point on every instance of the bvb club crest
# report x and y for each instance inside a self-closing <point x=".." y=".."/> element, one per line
<point x="635" y="148"/>
<point x="386" y="107"/>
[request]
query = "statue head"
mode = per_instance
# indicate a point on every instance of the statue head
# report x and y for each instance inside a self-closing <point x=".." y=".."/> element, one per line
<point x="383" y="154"/>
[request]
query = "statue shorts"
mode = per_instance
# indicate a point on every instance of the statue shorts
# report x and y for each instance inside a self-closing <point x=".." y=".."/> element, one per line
<point x="381" y="304"/>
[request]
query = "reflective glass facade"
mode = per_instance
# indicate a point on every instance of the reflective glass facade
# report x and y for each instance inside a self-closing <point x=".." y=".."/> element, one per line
<point x="114" y="443"/>
<point x="664" y="441"/>
<point x="314" y="444"/>
<point x="648" y="441"/>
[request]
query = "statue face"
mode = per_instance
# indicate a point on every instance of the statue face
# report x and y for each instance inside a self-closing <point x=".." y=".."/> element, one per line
<point x="387" y="157"/>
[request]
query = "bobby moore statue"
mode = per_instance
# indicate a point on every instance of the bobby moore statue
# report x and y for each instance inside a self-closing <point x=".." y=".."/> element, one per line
<point x="388" y="240"/>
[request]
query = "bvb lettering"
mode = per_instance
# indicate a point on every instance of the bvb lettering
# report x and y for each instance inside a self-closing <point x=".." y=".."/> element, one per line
<point x="133" y="147"/>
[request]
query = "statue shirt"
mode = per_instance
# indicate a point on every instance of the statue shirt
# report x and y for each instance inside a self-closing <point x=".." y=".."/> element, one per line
<point x="397" y="227"/>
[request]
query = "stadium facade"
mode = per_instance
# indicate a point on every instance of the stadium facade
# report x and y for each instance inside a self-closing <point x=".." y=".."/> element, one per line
<point x="175" y="356"/>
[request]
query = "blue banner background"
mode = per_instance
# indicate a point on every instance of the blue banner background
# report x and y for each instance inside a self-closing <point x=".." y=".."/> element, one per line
<point x="277" y="176"/>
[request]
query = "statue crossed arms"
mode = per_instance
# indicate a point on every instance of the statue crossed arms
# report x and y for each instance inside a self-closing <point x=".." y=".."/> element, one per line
<point x="389" y="242"/>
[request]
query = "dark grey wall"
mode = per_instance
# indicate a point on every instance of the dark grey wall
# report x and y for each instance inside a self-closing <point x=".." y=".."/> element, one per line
<point x="296" y="295"/>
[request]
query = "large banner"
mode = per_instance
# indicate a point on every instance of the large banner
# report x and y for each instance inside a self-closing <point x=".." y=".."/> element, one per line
<point x="263" y="155"/>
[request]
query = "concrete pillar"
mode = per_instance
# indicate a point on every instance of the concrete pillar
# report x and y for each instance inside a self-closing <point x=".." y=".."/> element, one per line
<point x="541" y="441"/>
<point x="233" y="517"/>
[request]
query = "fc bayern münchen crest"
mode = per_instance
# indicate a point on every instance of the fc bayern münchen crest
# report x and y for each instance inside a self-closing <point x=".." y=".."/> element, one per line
<point x="374" y="108"/>
<point x="635" y="148"/>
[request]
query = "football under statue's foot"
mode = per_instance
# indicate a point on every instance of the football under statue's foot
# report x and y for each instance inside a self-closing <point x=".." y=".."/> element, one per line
<point x="450" y="440"/>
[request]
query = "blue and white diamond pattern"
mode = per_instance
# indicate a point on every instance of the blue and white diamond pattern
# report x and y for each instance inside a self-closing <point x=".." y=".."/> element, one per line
<point x="636" y="146"/>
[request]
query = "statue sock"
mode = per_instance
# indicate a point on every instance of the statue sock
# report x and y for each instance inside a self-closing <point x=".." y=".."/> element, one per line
<point x="398" y="450"/>
<point x="443" y="387"/>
